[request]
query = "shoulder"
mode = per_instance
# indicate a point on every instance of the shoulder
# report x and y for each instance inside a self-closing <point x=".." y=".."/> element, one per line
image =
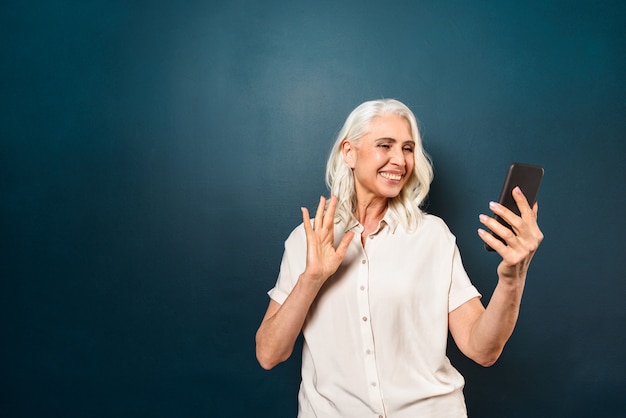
<point x="434" y="223"/>
<point x="296" y="236"/>
<point x="432" y="228"/>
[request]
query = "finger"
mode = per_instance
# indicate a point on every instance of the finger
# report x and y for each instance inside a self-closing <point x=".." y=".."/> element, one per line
<point x="503" y="212"/>
<point x="306" y="221"/>
<point x="342" y="248"/>
<point x="319" y="215"/>
<point x="329" y="217"/>
<point x="522" y="202"/>
<point x="528" y="221"/>
<point x="516" y="222"/>
<point x="488" y="238"/>
<point x="497" y="228"/>
<point x="536" y="231"/>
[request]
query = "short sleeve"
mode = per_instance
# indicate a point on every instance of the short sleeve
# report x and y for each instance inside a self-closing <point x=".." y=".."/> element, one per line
<point x="291" y="265"/>
<point x="461" y="288"/>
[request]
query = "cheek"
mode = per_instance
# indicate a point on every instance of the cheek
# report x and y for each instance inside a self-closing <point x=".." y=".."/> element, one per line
<point x="410" y="163"/>
<point x="373" y="159"/>
<point x="380" y="158"/>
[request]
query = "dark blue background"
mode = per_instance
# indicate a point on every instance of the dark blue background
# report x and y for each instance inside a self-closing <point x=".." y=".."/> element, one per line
<point x="154" y="157"/>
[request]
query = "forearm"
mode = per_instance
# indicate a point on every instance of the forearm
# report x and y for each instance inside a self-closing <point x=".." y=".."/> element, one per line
<point x="494" y="327"/>
<point x="279" y="330"/>
<point x="282" y="323"/>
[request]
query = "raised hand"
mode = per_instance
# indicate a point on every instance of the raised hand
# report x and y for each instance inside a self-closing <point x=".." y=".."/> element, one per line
<point x="521" y="242"/>
<point x="322" y="258"/>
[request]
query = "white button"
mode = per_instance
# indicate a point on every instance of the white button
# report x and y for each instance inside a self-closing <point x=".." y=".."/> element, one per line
<point x="365" y="319"/>
<point x="363" y="261"/>
<point x="373" y="384"/>
<point x="368" y="351"/>
<point x="362" y="287"/>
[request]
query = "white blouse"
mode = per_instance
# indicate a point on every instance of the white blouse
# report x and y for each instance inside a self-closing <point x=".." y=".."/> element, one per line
<point x="375" y="337"/>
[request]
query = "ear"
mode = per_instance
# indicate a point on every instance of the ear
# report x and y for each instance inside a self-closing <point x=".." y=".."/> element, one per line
<point x="348" y="152"/>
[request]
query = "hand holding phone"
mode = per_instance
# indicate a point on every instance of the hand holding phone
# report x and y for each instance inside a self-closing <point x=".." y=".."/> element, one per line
<point x="528" y="178"/>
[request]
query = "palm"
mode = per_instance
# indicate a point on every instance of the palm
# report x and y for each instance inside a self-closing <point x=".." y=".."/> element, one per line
<point x="323" y="259"/>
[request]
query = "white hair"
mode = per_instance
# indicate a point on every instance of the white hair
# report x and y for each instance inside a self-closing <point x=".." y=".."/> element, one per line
<point x="340" y="179"/>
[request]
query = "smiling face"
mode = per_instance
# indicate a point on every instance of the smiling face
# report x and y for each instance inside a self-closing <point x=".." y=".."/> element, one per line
<point x="381" y="160"/>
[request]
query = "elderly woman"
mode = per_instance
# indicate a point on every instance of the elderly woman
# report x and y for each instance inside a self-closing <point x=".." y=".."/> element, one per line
<point x="375" y="284"/>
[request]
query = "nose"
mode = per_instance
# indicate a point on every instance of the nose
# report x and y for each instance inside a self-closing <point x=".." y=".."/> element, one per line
<point x="398" y="157"/>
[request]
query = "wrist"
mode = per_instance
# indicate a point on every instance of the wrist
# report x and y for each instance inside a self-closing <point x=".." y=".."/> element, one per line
<point x="512" y="284"/>
<point x="311" y="282"/>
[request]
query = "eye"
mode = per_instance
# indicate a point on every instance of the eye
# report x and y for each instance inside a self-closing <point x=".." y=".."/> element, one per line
<point x="408" y="148"/>
<point x="385" y="146"/>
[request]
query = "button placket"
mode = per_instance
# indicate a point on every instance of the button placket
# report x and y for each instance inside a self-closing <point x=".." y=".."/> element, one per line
<point x="367" y="337"/>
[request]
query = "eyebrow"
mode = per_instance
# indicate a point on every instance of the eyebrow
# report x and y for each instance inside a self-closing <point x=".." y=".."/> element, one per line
<point x="385" y="138"/>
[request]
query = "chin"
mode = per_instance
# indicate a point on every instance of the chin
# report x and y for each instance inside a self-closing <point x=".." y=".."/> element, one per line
<point x="392" y="194"/>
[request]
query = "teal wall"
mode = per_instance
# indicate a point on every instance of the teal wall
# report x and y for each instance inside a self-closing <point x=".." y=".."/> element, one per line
<point x="154" y="157"/>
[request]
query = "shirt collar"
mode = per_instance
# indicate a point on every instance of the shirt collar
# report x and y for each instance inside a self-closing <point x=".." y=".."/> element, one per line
<point x="390" y="219"/>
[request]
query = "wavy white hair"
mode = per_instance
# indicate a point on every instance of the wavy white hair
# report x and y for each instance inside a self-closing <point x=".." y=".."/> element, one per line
<point x="340" y="179"/>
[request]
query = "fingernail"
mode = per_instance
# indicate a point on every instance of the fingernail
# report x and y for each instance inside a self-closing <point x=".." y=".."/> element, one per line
<point x="493" y="205"/>
<point x="482" y="218"/>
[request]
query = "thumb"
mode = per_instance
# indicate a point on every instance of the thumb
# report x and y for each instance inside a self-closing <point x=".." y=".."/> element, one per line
<point x="344" y="243"/>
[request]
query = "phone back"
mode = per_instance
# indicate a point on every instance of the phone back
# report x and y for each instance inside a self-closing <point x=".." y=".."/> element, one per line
<point x="528" y="177"/>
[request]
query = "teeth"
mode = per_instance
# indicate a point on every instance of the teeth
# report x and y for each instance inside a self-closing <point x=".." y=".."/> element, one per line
<point x="391" y="176"/>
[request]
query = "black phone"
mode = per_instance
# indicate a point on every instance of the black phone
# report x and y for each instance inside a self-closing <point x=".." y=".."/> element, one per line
<point x="528" y="177"/>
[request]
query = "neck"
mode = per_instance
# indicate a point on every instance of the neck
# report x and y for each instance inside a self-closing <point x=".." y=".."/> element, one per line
<point x="371" y="212"/>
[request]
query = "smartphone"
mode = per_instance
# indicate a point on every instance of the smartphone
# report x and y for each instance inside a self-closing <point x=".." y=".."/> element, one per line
<point x="528" y="178"/>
